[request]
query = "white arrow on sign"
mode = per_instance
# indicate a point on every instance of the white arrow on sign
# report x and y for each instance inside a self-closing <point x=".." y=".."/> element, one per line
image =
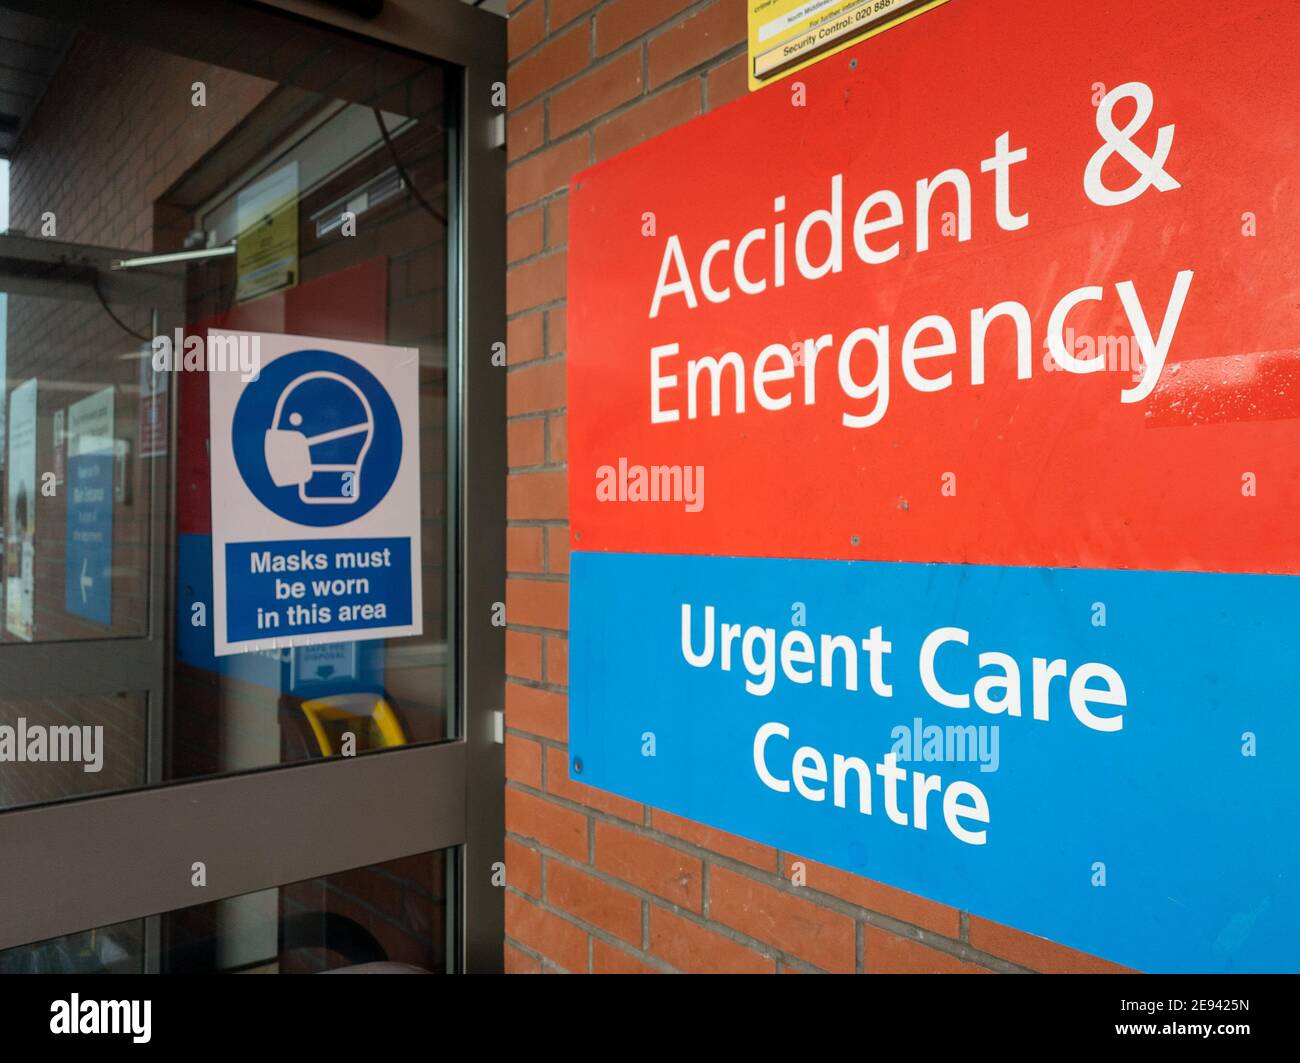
<point x="86" y="581"/>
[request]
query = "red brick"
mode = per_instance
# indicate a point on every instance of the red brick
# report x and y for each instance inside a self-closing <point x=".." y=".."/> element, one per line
<point x="519" y="962"/>
<point x="557" y="60"/>
<point x="793" y="924"/>
<point x="525" y="131"/>
<point x="546" y="823"/>
<point x="565" y="11"/>
<point x="523" y="868"/>
<point x="524" y="761"/>
<point x="536" y="282"/>
<point x="537" y="496"/>
<point x="524" y="549"/>
<point x="728" y="81"/>
<point x="761" y="856"/>
<point x="524" y="655"/>
<point x="524" y="235"/>
<point x="526" y="442"/>
<point x="656" y="868"/>
<point x="559" y="783"/>
<point x="878" y="897"/>
<point x="548" y="171"/>
<point x="609" y="959"/>
<point x="595" y="94"/>
<point x="660" y="112"/>
<point x="557" y="431"/>
<point x="557" y="324"/>
<point x="619" y="22"/>
<point x="697" y="950"/>
<point x="557" y="552"/>
<point x="524" y="338"/>
<point x="558" y="940"/>
<point x="594" y="901"/>
<point x="526" y="27"/>
<point x="536" y="388"/>
<point x="557" y="222"/>
<point x="537" y="711"/>
<point x="1036" y="953"/>
<point x="886" y="953"/>
<point x="557" y="661"/>
<point x="696" y="39"/>
<point x="538" y="603"/>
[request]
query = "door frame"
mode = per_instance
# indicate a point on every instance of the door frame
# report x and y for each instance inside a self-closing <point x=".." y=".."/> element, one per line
<point x="90" y="862"/>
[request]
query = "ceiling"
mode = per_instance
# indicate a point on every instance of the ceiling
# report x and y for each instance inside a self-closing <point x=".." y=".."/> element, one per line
<point x="30" y="50"/>
<point x="497" y="7"/>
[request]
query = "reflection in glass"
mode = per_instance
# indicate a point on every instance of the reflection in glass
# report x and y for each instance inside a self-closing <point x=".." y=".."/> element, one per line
<point x="393" y="912"/>
<point x="306" y="195"/>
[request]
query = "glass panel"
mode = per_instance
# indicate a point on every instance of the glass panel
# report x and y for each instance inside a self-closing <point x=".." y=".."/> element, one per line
<point x="393" y="912"/>
<point x="78" y="492"/>
<point x="70" y="746"/>
<point x="305" y="173"/>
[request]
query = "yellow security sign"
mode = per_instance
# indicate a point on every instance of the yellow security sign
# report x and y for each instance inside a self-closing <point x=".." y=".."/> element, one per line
<point x="266" y="257"/>
<point x="788" y="35"/>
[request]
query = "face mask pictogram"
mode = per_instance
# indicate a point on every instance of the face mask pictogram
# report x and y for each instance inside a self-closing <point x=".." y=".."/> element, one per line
<point x="307" y="446"/>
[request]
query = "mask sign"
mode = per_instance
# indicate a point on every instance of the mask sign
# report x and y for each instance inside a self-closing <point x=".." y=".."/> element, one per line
<point x="315" y="494"/>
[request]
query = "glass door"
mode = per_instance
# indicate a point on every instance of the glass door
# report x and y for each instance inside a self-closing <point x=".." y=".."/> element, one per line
<point x="173" y="799"/>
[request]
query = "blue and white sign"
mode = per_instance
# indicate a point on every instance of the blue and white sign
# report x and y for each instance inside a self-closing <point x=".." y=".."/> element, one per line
<point x="1105" y="758"/>
<point x="315" y="494"/>
<point x="312" y="666"/>
<point x="87" y="576"/>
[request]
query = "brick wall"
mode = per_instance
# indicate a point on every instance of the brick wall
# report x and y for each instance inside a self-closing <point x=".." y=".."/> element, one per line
<point x="598" y="883"/>
<point x="127" y="109"/>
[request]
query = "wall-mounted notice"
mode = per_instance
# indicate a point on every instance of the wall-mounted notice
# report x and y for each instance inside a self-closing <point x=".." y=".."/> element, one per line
<point x="933" y="483"/>
<point x="60" y="444"/>
<point x="88" y="585"/>
<point x="332" y="663"/>
<point x="315" y="494"/>
<point x="266" y="252"/>
<point x="789" y="35"/>
<point x="153" y="425"/>
<point x="20" y="512"/>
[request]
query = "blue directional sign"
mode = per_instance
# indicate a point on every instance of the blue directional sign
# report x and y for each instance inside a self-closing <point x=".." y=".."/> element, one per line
<point x="87" y="582"/>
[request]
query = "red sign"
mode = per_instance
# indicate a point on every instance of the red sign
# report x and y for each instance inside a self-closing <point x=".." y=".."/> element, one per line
<point x="1011" y="287"/>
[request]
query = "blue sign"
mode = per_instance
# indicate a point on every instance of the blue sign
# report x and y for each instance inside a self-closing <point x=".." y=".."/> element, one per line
<point x="317" y="439"/>
<point x="279" y="669"/>
<point x="315" y="586"/>
<point x="325" y="663"/>
<point x="87" y="578"/>
<point x="1104" y="758"/>
<point x="315" y="495"/>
